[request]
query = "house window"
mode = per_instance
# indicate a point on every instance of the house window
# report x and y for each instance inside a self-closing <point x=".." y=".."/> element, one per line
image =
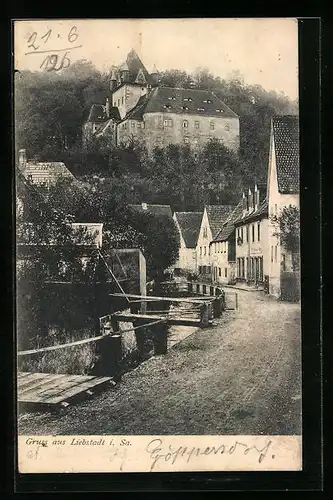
<point x="225" y="247"/>
<point x="275" y="209"/>
<point x="272" y="253"/>
<point x="200" y="251"/>
<point x="220" y="271"/>
<point x="197" y="124"/>
<point x="247" y="234"/>
<point x="118" y="103"/>
<point x="132" y="124"/>
<point x="225" y="272"/>
<point x="122" y="100"/>
<point x="186" y="140"/>
<point x="212" y="125"/>
<point x="258" y="227"/>
<point x="185" y="124"/>
<point x="195" y="141"/>
<point x="204" y="250"/>
<point x="227" y="127"/>
<point x="170" y="123"/>
<point x="275" y="253"/>
<point x="252" y="233"/>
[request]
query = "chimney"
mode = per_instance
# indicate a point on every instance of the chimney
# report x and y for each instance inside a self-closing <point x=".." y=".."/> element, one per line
<point x="256" y="197"/>
<point x="154" y="75"/>
<point x="22" y="158"/>
<point x="244" y="204"/>
<point x="250" y="198"/>
<point x="144" y="206"/>
<point x="107" y="108"/>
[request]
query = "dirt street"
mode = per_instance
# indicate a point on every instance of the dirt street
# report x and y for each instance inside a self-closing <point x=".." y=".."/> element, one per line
<point x="242" y="376"/>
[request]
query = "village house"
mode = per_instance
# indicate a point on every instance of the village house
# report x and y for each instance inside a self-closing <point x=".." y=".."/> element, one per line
<point x="43" y="174"/>
<point x="252" y="237"/>
<point x="138" y="107"/>
<point x="223" y="250"/>
<point x="283" y="191"/>
<point x="188" y="225"/>
<point x="213" y="219"/>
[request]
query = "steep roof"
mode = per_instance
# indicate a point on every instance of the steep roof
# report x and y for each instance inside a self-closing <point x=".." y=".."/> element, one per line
<point x="217" y="215"/>
<point x="189" y="101"/>
<point x="97" y="113"/>
<point x="134" y="64"/>
<point x="285" y="131"/>
<point x="154" y="209"/>
<point x="260" y="213"/>
<point x="189" y="223"/>
<point x="229" y="225"/>
<point x="178" y="100"/>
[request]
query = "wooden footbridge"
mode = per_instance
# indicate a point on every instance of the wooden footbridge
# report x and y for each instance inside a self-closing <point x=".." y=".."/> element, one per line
<point x="56" y="391"/>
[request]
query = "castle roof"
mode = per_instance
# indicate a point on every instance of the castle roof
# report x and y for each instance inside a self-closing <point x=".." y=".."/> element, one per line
<point x="189" y="223"/>
<point x="285" y="130"/>
<point x="179" y="100"/>
<point x="98" y="114"/>
<point x="217" y="215"/>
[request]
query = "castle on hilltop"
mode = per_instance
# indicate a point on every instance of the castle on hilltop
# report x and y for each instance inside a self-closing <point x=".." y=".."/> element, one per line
<point x="137" y="106"/>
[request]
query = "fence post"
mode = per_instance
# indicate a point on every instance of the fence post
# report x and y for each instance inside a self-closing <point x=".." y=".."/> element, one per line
<point x="161" y="339"/>
<point x="210" y="310"/>
<point x="236" y="299"/>
<point x="204" y="318"/>
<point x="110" y="356"/>
<point x="140" y="334"/>
<point x="217" y="307"/>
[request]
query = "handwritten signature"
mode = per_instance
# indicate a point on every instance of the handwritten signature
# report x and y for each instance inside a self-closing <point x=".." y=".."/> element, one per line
<point x="158" y="453"/>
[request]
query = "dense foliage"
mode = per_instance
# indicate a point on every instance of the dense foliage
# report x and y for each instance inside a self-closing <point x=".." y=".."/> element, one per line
<point x="51" y="109"/>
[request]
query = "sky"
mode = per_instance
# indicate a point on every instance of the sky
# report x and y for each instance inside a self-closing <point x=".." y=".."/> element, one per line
<point x="264" y="51"/>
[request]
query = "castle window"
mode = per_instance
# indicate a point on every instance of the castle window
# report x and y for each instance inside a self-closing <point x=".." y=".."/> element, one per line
<point x="212" y="125"/>
<point x="197" y="124"/>
<point x="185" y="124"/>
<point x="227" y="127"/>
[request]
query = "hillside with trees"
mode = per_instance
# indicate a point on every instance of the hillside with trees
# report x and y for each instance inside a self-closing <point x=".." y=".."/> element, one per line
<point x="50" y="109"/>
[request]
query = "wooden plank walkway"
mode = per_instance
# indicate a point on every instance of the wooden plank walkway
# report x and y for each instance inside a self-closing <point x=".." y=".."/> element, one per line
<point x="51" y="391"/>
<point x="153" y="298"/>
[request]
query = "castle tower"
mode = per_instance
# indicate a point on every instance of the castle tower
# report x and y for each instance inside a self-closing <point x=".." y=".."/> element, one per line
<point x="124" y="73"/>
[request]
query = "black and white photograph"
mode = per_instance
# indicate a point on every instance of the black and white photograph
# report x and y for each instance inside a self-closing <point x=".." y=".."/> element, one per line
<point x="157" y="245"/>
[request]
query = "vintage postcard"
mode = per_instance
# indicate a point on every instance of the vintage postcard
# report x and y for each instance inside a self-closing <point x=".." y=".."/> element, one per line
<point x="158" y="242"/>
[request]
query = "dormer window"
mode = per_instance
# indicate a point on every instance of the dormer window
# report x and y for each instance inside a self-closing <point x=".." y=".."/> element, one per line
<point x="185" y="108"/>
<point x="201" y="109"/>
<point x="189" y="99"/>
<point x="219" y="110"/>
<point x="172" y="98"/>
<point x="185" y="124"/>
<point x="208" y="101"/>
<point x="167" y="106"/>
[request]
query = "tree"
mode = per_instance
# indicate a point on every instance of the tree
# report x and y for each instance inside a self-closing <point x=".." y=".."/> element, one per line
<point x="288" y="230"/>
